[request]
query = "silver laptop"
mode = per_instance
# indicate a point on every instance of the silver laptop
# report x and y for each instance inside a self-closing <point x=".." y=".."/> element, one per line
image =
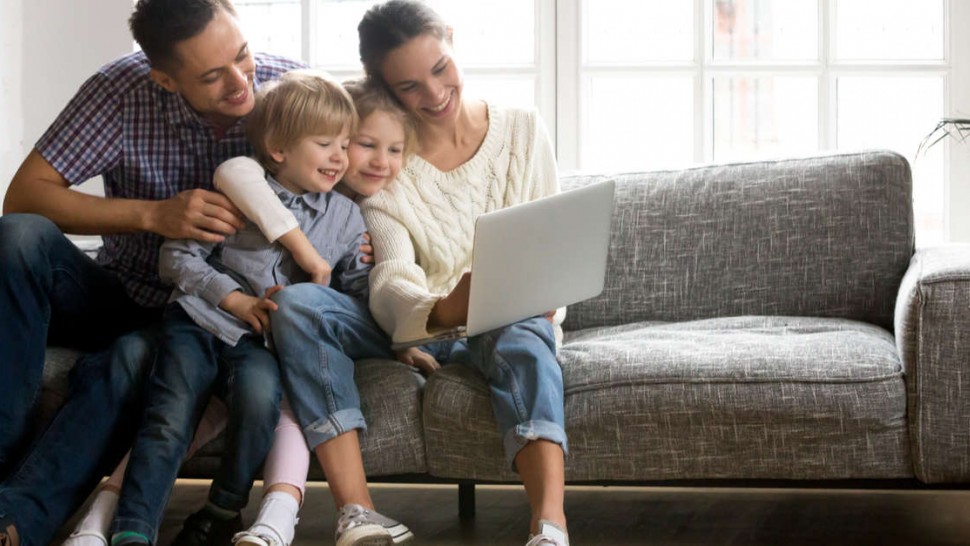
<point x="533" y="258"/>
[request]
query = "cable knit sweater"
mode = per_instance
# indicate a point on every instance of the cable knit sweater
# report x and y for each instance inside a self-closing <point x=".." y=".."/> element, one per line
<point x="423" y="224"/>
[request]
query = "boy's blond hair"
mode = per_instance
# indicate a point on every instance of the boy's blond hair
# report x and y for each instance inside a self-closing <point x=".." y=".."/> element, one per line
<point x="369" y="97"/>
<point x="301" y="103"/>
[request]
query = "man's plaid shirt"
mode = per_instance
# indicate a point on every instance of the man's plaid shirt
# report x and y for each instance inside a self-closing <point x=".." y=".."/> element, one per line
<point x="147" y="143"/>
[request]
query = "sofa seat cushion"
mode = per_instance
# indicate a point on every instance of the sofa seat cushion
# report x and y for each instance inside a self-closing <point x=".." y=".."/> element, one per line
<point x="741" y="397"/>
<point x="390" y="395"/>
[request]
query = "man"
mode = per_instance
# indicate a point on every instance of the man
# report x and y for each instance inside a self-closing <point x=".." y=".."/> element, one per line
<point x="154" y="125"/>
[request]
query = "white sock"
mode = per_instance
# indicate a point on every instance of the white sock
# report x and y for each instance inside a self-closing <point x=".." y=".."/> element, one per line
<point x="277" y="518"/>
<point x="92" y="530"/>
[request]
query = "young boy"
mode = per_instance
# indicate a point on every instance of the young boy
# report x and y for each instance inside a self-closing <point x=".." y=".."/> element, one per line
<point x="215" y="326"/>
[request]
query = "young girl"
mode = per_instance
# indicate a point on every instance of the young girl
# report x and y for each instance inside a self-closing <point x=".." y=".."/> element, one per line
<point x="383" y="140"/>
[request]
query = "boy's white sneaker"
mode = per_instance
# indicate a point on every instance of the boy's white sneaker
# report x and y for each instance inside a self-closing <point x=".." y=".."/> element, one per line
<point x="549" y="534"/>
<point x="359" y="526"/>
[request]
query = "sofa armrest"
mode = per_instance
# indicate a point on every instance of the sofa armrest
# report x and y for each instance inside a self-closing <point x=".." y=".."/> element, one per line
<point x="932" y="326"/>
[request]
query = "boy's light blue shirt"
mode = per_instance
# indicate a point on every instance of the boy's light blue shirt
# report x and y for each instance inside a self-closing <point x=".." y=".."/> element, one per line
<point x="205" y="273"/>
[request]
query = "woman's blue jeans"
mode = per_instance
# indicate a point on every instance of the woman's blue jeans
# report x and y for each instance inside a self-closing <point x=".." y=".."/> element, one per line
<point x="320" y="332"/>
<point x="524" y="377"/>
<point x="193" y="364"/>
<point x="52" y="292"/>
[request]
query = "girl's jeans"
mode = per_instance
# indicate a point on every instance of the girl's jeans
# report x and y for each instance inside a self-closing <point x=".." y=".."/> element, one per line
<point x="320" y="332"/>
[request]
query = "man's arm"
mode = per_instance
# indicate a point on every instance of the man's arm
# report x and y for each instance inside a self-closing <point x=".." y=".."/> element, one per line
<point x="195" y="214"/>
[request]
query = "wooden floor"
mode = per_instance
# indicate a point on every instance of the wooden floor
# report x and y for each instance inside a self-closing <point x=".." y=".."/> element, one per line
<point x="649" y="516"/>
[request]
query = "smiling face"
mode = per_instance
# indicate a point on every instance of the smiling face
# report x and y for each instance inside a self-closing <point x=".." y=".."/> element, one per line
<point x="313" y="164"/>
<point x="423" y="75"/>
<point x="376" y="153"/>
<point x="214" y="71"/>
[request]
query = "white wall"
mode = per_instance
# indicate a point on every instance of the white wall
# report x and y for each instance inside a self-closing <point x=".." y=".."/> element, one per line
<point x="11" y="102"/>
<point x="50" y="47"/>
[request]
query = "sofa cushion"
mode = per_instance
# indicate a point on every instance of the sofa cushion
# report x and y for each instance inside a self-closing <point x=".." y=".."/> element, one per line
<point x="390" y="395"/>
<point x="744" y="397"/>
<point x="827" y="236"/>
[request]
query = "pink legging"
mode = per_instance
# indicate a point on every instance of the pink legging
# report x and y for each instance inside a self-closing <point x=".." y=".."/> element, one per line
<point x="287" y="463"/>
<point x="289" y="459"/>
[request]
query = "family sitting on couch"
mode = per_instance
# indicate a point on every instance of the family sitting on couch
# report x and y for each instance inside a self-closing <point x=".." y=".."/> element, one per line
<point x="236" y="281"/>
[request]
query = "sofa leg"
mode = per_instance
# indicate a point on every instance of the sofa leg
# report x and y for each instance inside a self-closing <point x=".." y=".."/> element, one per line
<point x="466" y="500"/>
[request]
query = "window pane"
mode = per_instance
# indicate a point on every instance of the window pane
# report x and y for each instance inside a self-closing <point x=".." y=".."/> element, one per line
<point x="766" y="29"/>
<point x="272" y="26"/>
<point x="895" y="113"/>
<point x="336" y="42"/>
<point x="765" y="116"/>
<point x="635" y="123"/>
<point x="493" y="32"/>
<point x="507" y="91"/>
<point x="624" y="31"/>
<point x="486" y="33"/>
<point x="889" y="29"/>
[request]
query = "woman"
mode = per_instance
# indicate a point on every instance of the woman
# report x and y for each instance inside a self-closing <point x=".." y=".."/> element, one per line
<point x="473" y="157"/>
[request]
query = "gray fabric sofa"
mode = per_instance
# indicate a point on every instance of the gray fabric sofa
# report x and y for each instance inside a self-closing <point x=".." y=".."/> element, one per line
<point x="760" y="321"/>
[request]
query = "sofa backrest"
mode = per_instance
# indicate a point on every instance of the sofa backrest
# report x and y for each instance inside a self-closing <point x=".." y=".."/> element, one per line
<point x="827" y="236"/>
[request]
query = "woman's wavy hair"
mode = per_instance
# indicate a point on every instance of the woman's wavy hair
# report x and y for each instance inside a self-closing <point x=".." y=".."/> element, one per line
<point x="387" y="26"/>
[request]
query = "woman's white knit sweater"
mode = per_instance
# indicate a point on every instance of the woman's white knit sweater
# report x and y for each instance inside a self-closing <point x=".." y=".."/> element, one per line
<point x="422" y="225"/>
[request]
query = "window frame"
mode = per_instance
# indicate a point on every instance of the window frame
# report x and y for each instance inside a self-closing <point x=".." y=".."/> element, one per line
<point x="560" y="76"/>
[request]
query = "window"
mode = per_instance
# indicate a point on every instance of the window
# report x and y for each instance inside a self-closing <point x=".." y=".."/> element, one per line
<point x="651" y="84"/>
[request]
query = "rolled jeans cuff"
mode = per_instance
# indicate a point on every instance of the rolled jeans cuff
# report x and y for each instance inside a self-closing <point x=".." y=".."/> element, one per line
<point x="130" y="525"/>
<point x="518" y="436"/>
<point x="227" y="500"/>
<point x="334" y="425"/>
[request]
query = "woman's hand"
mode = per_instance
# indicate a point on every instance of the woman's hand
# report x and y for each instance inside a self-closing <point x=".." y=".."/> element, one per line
<point x="416" y="358"/>
<point x="452" y="310"/>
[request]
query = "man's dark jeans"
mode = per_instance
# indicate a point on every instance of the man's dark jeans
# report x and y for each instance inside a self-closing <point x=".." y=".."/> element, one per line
<point x="52" y="293"/>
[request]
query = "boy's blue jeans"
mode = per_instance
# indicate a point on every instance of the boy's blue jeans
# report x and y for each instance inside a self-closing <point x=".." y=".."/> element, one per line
<point x="193" y="364"/>
<point x="51" y="291"/>
<point x="319" y="332"/>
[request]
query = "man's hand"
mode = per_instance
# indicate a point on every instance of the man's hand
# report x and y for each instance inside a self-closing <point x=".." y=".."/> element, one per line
<point x="367" y="250"/>
<point x="195" y="214"/>
<point x="416" y="358"/>
<point x="253" y="311"/>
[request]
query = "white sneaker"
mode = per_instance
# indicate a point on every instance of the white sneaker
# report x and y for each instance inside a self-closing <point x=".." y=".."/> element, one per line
<point x="549" y="534"/>
<point x="358" y="526"/>
<point x="252" y="539"/>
